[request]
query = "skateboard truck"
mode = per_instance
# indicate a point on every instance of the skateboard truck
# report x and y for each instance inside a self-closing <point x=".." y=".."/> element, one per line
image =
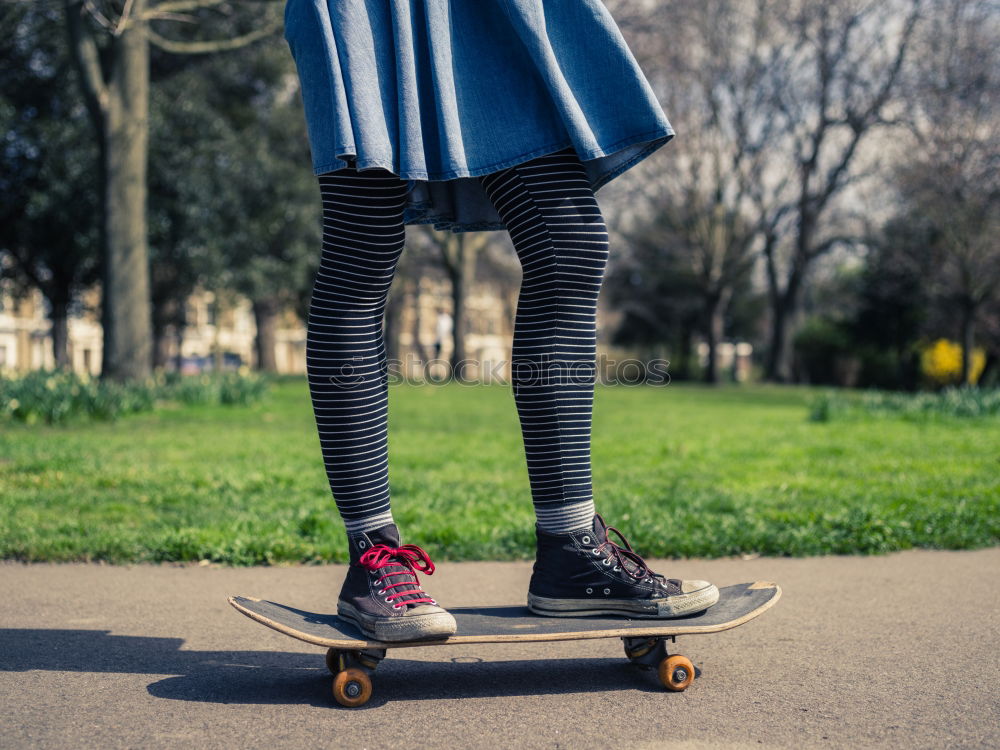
<point x="352" y="671"/>
<point x="675" y="671"/>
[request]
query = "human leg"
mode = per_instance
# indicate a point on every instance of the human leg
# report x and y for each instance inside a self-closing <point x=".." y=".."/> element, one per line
<point x="363" y="238"/>
<point x="560" y="237"/>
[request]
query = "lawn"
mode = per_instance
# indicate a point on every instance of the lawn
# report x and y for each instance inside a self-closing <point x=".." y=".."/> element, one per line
<point x="682" y="470"/>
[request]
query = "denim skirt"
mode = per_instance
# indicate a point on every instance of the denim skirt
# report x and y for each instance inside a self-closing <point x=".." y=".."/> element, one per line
<point x="440" y="92"/>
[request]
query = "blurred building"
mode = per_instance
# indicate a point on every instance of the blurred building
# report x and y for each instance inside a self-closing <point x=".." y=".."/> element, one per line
<point x="487" y="342"/>
<point x="24" y="333"/>
<point x="222" y="334"/>
<point x="26" y="340"/>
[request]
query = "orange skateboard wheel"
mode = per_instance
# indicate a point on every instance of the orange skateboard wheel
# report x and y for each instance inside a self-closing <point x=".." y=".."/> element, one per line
<point x="676" y="672"/>
<point x="352" y="687"/>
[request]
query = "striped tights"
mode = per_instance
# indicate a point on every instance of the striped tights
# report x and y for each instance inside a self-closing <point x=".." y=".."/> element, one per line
<point x="559" y="236"/>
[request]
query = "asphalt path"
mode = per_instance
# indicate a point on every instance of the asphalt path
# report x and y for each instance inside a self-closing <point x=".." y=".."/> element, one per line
<point x="893" y="651"/>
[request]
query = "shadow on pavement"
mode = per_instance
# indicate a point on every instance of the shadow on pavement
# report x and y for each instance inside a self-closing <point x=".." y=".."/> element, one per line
<point x="276" y="677"/>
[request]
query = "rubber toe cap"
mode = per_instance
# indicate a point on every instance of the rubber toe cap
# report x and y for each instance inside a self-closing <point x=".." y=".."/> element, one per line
<point x="689" y="587"/>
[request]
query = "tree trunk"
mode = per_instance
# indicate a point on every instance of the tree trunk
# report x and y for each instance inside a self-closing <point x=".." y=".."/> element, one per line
<point x="265" y="313"/>
<point x="715" y="325"/>
<point x="462" y="274"/>
<point x="163" y="314"/>
<point x="128" y="340"/>
<point x="161" y="345"/>
<point x="988" y="375"/>
<point x="179" y="340"/>
<point x="686" y="363"/>
<point x="774" y="366"/>
<point x="393" y="320"/>
<point x="784" y="306"/>
<point x="782" y="350"/>
<point x="968" y="340"/>
<point x="774" y="298"/>
<point x="161" y="350"/>
<point x="60" y="333"/>
<point x="418" y="345"/>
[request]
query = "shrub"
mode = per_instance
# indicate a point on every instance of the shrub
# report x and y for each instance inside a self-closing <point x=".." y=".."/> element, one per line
<point x="963" y="402"/>
<point x="824" y="349"/>
<point x="60" y="396"/>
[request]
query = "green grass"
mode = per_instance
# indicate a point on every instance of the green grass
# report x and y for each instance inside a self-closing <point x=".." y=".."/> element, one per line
<point x="682" y="470"/>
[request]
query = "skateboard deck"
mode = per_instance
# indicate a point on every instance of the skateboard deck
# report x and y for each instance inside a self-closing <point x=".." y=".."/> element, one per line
<point x="352" y="657"/>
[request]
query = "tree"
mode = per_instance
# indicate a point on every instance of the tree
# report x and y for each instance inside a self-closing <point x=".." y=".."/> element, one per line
<point x="271" y="242"/>
<point x="47" y="228"/>
<point x="652" y="285"/>
<point x="832" y="78"/>
<point x="895" y="299"/>
<point x="705" y="204"/>
<point x="110" y="44"/>
<point x="459" y="251"/>
<point x="187" y="136"/>
<point x="949" y="178"/>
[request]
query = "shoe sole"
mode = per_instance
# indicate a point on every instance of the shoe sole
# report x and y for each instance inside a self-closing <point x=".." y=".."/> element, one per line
<point x="679" y="605"/>
<point x="401" y="628"/>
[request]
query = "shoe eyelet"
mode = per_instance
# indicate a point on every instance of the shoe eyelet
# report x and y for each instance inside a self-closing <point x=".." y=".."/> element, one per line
<point x="362" y="544"/>
<point x="596" y="552"/>
<point x="381" y="592"/>
<point x="607" y="561"/>
<point x="388" y="600"/>
<point x="585" y="540"/>
<point x="397" y="606"/>
<point x="590" y="591"/>
<point x="617" y="568"/>
<point x="607" y="591"/>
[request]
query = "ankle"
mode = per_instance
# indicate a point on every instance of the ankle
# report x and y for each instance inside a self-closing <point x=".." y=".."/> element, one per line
<point x="566" y="518"/>
<point x="355" y="526"/>
<point x="359" y="542"/>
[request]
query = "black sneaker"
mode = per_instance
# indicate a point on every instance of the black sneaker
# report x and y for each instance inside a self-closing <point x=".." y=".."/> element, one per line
<point x="585" y="573"/>
<point x="382" y="594"/>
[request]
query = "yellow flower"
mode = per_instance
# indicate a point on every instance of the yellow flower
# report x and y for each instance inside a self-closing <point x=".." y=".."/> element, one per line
<point x="942" y="362"/>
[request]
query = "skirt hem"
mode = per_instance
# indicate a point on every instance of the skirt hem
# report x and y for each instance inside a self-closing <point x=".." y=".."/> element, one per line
<point x="654" y="136"/>
<point x="424" y="213"/>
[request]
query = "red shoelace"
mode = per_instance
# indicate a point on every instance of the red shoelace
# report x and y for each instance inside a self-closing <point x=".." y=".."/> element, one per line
<point x="409" y="558"/>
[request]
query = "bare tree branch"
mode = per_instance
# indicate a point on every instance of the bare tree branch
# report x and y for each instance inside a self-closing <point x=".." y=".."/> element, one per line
<point x="173" y="6"/>
<point x="84" y="49"/>
<point x="156" y="15"/>
<point x="96" y="13"/>
<point x="216" y="45"/>
<point x="123" y="19"/>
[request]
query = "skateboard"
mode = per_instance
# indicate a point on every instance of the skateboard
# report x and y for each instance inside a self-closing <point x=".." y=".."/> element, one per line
<point x="352" y="657"/>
